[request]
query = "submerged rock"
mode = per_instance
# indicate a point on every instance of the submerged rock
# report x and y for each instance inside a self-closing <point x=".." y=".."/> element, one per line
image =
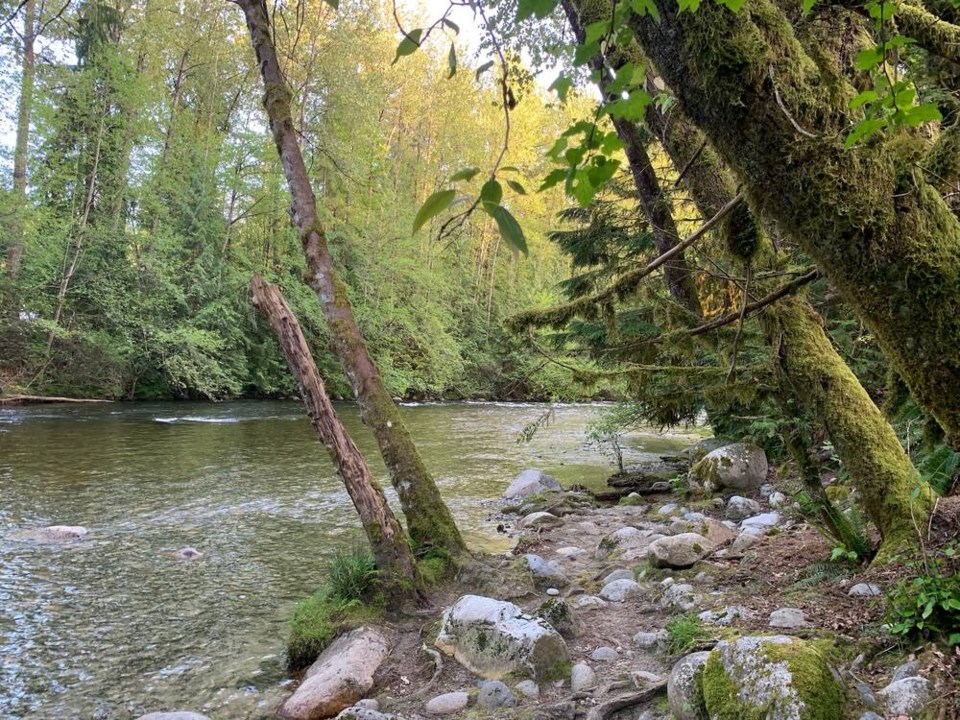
<point x="52" y="533"/>
<point x="180" y="715"/>
<point x="529" y="482"/>
<point x="679" y="551"/>
<point x="340" y="677"/>
<point x="773" y="677"/>
<point x="740" y="466"/>
<point x="189" y="553"/>
<point x="493" y="638"/>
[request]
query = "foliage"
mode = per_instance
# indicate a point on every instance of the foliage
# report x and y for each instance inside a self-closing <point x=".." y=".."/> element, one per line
<point x="683" y="633"/>
<point x="927" y="604"/>
<point x="352" y="575"/>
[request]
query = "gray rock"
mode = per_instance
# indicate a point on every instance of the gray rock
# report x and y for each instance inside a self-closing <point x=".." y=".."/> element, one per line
<point x="911" y="668"/>
<point x="545" y="572"/>
<point x="740" y="466"/>
<point x="766" y="490"/>
<point x="494" y="694"/>
<point x="644" y="678"/>
<point x="369" y="704"/>
<point x="53" y="533"/>
<point x="582" y="677"/>
<point x="865" y="590"/>
<point x="340" y="677"/>
<point x="777" y="500"/>
<point x="866" y="694"/>
<point x="561" y="617"/>
<point x="587" y="602"/>
<point x="529" y="482"/>
<point x="870" y="715"/>
<point x="619" y="590"/>
<point x="683" y="687"/>
<point x="744" y="542"/>
<point x="572" y="552"/>
<point x="448" y="703"/>
<point x="668" y="509"/>
<point x="679" y="551"/>
<point x="540" y="520"/>
<point x="680" y="596"/>
<point x="359" y="712"/>
<point x="701" y="448"/>
<point x="762" y="523"/>
<point x="626" y="538"/>
<point x="725" y="616"/>
<point x="492" y="638"/>
<point x="775" y="677"/>
<point x="528" y="688"/>
<point x="740" y="508"/>
<point x="789" y="619"/>
<point x="180" y="715"/>
<point x="906" y="697"/>
<point x="552" y="592"/>
<point x="622" y="574"/>
<point x="650" y="639"/>
<point x="604" y="654"/>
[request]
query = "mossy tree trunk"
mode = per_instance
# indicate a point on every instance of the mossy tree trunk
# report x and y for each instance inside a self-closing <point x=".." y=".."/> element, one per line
<point x="429" y="520"/>
<point x="879" y="232"/>
<point x="398" y="570"/>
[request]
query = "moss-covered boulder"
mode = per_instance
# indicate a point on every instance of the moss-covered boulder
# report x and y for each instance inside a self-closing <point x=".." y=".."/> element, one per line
<point x="740" y="466"/>
<point x="770" y="678"/>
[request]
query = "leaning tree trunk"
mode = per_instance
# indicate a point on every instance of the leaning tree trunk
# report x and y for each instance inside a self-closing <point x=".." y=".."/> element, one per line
<point x="28" y="68"/>
<point x="880" y="233"/>
<point x="398" y="569"/>
<point x="429" y="520"/>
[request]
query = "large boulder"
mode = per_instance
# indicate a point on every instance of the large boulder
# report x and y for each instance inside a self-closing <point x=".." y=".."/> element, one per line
<point x="740" y="466"/>
<point x="772" y="677"/>
<point x="679" y="551"/>
<point x="701" y="448"/>
<point x="340" y="677"/>
<point x="683" y="687"/>
<point x="529" y="482"/>
<point x="493" y="638"/>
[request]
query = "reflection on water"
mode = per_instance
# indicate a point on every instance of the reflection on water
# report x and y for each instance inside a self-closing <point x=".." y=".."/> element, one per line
<point x="115" y="625"/>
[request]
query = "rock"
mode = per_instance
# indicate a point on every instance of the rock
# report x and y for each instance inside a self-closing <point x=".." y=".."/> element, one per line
<point x="189" y="553"/>
<point x="649" y="639"/>
<point x="680" y="596"/>
<point x="528" y="688"/>
<point x="909" y="669"/>
<point x="492" y="638"/>
<point x="761" y="523"/>
<point x="571" y="552"/>
<point x="906" y="697"/>
<point x="560" y="616"/>
<point x="540" y="520"/>
<point x="643" y="678"/>
<point x="683" y="687"/>
<point x="789" y="619"/>
<point x="619" y="590"/>
<point x="545" y="572"/>
<point x="494" y="694"/>
<point x="679" y="551"/>
<point x="715" y="531"/>
<point x="448" y="703"/>
<point x="622" y="574"/>
<point x="179" y="715"/>
<point x="744" y="542"/>
<point x="627" y="539"/>
<point x="740" y="508"/>
<point x="552" y="592"/>
<point x="772" y="677"/>
<point x="341" y="675"/>
<point x="724" y="616"/>
<point x="582" y="677"/>
<point x="865" y="590"/>
<point x="359" y="712"/>
<point x="604" y="654"/>
<point x="701" y="448"/>
<point x="668" y="509"/>
<point x="587" y="602"/>
<point x="766" y="490"/>
<point x="529" y="482"/>
<point x="369" y="704"/>
<point x="739" y="466"/>
<point x="53" y="533"/>
<point x="870" y="715"/>
<point x="777" y="500"/>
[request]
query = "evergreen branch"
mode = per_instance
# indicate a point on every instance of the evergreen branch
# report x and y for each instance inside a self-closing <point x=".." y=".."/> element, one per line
<point x="749" y="309"/>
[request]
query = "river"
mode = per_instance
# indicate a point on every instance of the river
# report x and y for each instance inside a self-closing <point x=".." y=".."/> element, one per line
<point x="114" y="625"/>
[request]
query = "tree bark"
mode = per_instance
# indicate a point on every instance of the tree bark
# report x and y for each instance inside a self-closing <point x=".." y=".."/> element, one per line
<point x="27" y="70"/>
<point x="429" y="520"/>
<point x="879" y="232"/>
<point x="398" y="570"/>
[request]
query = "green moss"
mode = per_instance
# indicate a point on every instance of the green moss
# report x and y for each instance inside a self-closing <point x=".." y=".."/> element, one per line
<point x="318" y="620"/>
<point x="559" y="671"/>
<point x="632" y="500"/>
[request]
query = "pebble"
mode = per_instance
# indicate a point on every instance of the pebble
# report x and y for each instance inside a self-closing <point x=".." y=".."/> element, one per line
<point x="528" y="688"/>
<point x="582" y="677"/>
<point x="777" y="500"/>
<point x="642" y="678"/>
<point x="789" y="619"/>
<point x="587" y="602"/>
<point x="649" y="639"/>
<point x="494" y="694"/>
<point x="447" y="703"/>
<point x="604" y="654"/>
<point x="553" y="592"/>
<point x="667" y="509"/>
<point x="369" y="704"/>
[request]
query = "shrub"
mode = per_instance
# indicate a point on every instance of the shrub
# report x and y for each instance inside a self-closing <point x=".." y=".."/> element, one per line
<point x="683" y="633"/>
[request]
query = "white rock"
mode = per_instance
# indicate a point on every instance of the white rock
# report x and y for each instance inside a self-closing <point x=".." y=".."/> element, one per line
<point x="529" y="482"/>
<point x="762" y="522"/>
<point x="571" y="552"/>
<point x="911" y="668"/>
<point x="725" y="616"/>
<point x="448" y="703"/>
<point x="493" y="638"/>
<point x="552" y="592"/>
<point x="744" y="542"/>
<point x="777" y="500"/>
<point x="528" y="688"/>
<point x="740" y="508"/>
<point x="587" y="602"/>
<point x="644" y="678"/>
<point x="789" y="619"/>
<point x="865" y="590"/>
<point x="582" y="677"/>
<point x="668" y="509"/>
<point x="619" y="590"/>
<point x="766" y="490"/>
<point x="542" y="520"/>
<point x="680" y="596"/>
<point x="650" y="639"/>
<point x="906" y="697"/>
<point x="545" y="572"/>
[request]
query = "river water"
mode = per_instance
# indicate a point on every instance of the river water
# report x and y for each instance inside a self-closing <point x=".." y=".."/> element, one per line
<point x="114" y="625"/>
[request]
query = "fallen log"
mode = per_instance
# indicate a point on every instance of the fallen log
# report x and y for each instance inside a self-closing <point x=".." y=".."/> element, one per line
<point x="38" y="399"/>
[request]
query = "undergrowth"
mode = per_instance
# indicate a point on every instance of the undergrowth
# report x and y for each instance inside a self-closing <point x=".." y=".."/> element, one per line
<point x="926" y="605"/>
<point x="683" y="633"/>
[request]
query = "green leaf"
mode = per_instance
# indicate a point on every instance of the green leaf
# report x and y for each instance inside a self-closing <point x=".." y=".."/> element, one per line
<point x="517" y="187"/>
<point x="491" y="194"/>
<point x="632" y="108"/>
<point x="863" y="98"/>
<point x="510" y="229"/>
<point x="644" y="8"/>
<point x="734" y="5"/>
<point x="483" y="68"/>
<point x="603" y="169"/>
<point x="435" y="204"/>
<point x="581" y="188"/>
<point x="466" y="174"/>
<point x="409" y="44"/>
<point x="534" y="8"/>
<point x="869" y="58"/>
<point x="863" y="130"/>
<point x="921" y="114"/>
<point x="596" y="30"/>
<point x="612" y="143"/>
<point x="510" y="168"/>
<point x="688" y="5"/>
<point x="450" y="24"/>
<point x="452" y="61"/>
<point x="562" y="85"/>
<point x="553" y="178"/>
<point x="807" y="6"/>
